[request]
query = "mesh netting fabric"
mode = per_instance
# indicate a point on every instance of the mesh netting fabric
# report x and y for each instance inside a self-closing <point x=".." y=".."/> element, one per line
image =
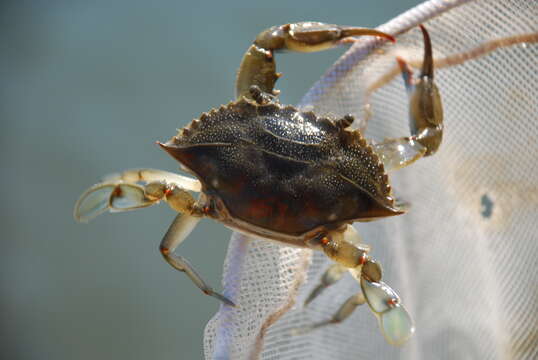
<point x="464" y="258"/>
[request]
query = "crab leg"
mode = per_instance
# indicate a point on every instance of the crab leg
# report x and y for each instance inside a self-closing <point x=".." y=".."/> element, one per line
<point x="110" y="196"/>
<point x="343" y="313"/>
<point x="334" y="273"/>
<point x="425" y="116"/>
<point x="258" y="65"/>
<point x="149" y="175"/>
<point x="120" y="192"/>
<point x="346" y="249"/>
<point x="394" y="320"/>
<point x="180" y="228"/>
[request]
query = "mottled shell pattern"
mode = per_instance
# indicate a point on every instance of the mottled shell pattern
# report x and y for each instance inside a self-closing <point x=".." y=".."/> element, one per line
<point x="280" y="169"/>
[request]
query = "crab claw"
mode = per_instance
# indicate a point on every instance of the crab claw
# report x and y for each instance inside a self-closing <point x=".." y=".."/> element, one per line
<point x="107" y="196"/>
<point x="394" y="320"/>
<point x="311" y="36"/>
<point x="425" y="106"/>
<point x="427" y="63"/>
<point x="258" y="65"/>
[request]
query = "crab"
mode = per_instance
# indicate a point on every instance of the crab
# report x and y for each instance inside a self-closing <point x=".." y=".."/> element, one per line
<point x="272" y="171"/>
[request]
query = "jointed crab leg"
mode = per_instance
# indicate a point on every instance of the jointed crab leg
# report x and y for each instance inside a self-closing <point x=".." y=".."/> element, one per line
<point x="345" y="248"/>
<point x="334" y="273"/>
<point x="258" y="64"/>
<point x="150" y="175"/>
<point x="348" y="251"/>
<point x="120" y="192"/>
<point x="394" y="320"/>
<point x="343" y="313"/>
<point x="180" y="228"/>
<point x="111" y="196"/>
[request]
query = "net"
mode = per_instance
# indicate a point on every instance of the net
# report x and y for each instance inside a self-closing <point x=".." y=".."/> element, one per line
<point x="464" y="258"/>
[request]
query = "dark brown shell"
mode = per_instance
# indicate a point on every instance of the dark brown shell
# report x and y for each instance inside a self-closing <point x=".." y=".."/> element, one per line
<point x="284" y="170"/>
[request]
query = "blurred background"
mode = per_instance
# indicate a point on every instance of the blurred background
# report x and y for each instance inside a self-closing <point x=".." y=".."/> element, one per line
<point x="86" y="89"/>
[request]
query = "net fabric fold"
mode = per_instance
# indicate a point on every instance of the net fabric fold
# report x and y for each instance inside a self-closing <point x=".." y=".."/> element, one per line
<point x="463" y="259"/>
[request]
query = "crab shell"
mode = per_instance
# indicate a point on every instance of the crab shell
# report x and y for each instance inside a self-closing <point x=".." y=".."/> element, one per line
<point x="283" y="174"/>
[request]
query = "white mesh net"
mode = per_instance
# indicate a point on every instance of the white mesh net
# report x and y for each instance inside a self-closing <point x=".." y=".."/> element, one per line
<point x="464" y="259"/>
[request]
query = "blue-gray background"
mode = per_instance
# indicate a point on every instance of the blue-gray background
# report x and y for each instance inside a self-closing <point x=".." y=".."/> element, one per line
<point x="86" y="88"/>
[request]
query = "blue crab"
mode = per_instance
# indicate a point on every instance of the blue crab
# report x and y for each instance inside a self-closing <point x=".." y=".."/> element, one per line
<point x="275" y="172"/>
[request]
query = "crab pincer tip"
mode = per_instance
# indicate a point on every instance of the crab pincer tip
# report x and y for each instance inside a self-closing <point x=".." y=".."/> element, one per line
<point x="425" y="33"/>
<point x="427" y="64"/>
<point x="384" y="35"/>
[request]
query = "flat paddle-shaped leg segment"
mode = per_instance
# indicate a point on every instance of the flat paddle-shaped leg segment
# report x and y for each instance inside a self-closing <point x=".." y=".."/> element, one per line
<point x="110" y="196"/>
<point x="134" y="189"/>
<point x="394" y="320"/>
